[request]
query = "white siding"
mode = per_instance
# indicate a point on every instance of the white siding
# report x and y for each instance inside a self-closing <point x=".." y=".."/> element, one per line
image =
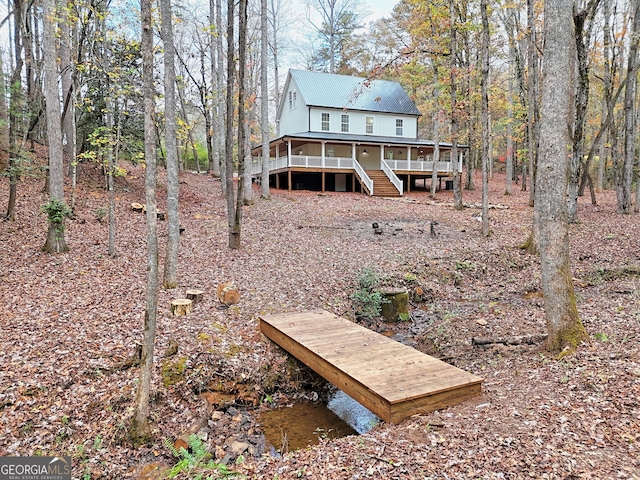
<point x="293" y="120"/>
<point x="383" y="124"/>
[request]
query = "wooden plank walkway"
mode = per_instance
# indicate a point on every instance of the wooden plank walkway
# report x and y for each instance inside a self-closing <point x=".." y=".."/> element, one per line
<point x="392" y="380"/>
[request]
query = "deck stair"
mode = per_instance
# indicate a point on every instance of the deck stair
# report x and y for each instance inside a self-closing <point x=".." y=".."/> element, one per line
<point x="382" y="186"/>
<point x="392" y="380"/>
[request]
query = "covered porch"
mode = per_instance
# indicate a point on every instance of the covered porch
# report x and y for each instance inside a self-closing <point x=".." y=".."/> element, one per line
<point x="387" y="166"/>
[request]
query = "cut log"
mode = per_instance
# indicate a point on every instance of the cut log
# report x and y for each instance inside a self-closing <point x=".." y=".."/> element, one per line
<point x="160" y="215"/>
<point x="518" y="340"/>
<point x="228" y="294"/>
<point x="180" y="307"/>
<point x="195" y="295"/>
<point x="396" y="306"/>
<point x="137" y="207"/>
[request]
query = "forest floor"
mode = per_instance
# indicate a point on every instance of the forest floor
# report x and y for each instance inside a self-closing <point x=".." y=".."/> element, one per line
<point x="70" y="325"/>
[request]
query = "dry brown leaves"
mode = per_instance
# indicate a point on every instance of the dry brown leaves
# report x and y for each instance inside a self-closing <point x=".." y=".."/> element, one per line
<point x="70" y="323"/>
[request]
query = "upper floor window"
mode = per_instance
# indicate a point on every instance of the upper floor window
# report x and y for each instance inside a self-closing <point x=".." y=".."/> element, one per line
<point x="345" y="123"/>
<point x="369" y="124"/>
<point x="325" y="122"/>
<point x="399" y="126"/>
<point x="292" y="99"/>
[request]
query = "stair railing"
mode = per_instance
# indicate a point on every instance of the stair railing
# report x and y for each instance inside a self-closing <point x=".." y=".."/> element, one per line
<point x="364" y="178"/>
<point x="392" y="176"/>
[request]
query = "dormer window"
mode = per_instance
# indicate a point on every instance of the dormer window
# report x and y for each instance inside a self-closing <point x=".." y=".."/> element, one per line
<point x="345" y="123"/>
<point x="399" y="127"/>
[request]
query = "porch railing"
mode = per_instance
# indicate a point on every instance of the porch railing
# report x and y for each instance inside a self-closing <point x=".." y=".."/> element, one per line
<point x="364" y="178"/>
<point x="392" y="176"/>
<point x="419" y="165"/>
<point x="311" y="161"/>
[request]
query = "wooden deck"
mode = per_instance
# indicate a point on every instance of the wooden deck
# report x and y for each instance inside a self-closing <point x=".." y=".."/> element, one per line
<point x="392" y="380"/>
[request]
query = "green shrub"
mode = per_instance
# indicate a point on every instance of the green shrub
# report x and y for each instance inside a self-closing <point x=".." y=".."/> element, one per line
<point x="366" y="300"/>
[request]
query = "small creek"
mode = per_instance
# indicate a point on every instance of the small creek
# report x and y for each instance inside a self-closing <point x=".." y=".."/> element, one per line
<point x="302" y="424"/>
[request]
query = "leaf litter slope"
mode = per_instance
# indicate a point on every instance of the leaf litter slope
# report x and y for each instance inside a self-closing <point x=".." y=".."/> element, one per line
<point x="70" y="324"/>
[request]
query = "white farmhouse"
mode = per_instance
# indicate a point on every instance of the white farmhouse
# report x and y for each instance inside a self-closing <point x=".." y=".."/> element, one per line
<point x="340" y="133"/>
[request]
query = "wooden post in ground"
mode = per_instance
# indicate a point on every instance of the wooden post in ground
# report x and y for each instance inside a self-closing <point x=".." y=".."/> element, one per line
<point x="180" y="307"/>
<point x="195" y="295"/>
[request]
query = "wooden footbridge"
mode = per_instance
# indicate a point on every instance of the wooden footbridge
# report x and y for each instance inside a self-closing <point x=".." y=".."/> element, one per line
<point x="392" y="380"/>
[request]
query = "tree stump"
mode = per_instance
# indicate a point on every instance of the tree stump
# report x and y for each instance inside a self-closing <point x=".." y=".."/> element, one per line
<point x="137" y="207"/>
<point x="180" y="307"/>
<point x="396" y="306"/>
<point x="228" y="294"/>
<point x="195" y="295"/>
<point x="160" y="215"/>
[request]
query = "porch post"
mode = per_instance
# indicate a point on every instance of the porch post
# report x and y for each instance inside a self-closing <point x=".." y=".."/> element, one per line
<point x="289" y="156"/>
<point x="323" y="181"/>
<point x="409" y="158"/>
<point x="322" y="154"/>
<point x="353" y="151"/>
<point x="408" y="183"/>
<point x="277" y="153"/>
<point x="381" y="155"/>
<point x="289" y="179"/>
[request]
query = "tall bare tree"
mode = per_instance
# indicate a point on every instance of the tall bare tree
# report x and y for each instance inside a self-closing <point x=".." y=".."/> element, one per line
<point x="338" y="20"/>
<point x="453" y="68"/>
<point x="170" y="279"/>
<point x="56" y="209"/>
<point x="235" y="199"/>
<point x="264" y="97"/>
<point x="533" y="111"/>
<point x="563" y="322"/>
<point x="484" y="86"/>
<point x="140" y="422"/>
<point x="16" y="99"/>
<point x="624" y="170"/>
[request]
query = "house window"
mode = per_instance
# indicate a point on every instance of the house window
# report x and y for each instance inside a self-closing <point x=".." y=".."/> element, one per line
<point x="399" y="126"/>
<point x="292" y="99"/>
<point x="369" y="124"/>
<point x="325" y="122"/>
<point x="345" y="123"/>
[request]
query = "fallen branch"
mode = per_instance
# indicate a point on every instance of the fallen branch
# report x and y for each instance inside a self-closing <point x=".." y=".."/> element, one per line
<point x="519" y="340"/>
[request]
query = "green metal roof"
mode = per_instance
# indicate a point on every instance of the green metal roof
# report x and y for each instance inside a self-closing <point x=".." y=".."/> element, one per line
<point x="352" y="93"/>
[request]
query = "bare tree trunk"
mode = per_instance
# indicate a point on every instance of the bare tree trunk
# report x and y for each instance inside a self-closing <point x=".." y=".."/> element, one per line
<point x="15" y="101"/>
<point x="111" y="171"/>
<point x="533" y="116"/>
<point x="275" y="14"/>
<point x="563" y="323"/>
<point x="509" y="159"/>
<point x="484" y="85"/>
<point x="170" y="279"/>
<point x="139" y="430"/>
<point x="625" y="171"/>
<point x="55" y="242"/>
<point x="264" y="98"/>
<point x="436" y="132"/>
<point x="247" y="177"/>
<point x="216" y="133"/>
<point x="457" y="189"/>
<point x="222" y="109"/>
<point x="234" y="199"/>
<point x="583" y="20"/>
<point x="4" y="116"/>
<point x="607" y="88"/>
